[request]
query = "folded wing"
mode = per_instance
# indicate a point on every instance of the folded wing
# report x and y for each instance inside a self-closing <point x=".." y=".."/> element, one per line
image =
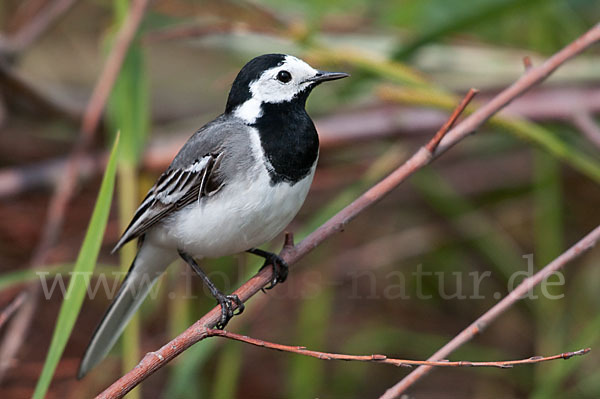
<point x="175" y="189"/>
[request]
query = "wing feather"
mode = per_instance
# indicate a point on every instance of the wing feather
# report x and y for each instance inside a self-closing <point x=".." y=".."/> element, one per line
<point x="173" y="190"/>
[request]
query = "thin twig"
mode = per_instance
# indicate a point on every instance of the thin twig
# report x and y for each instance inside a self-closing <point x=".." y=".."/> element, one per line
<point x="527" y="63"/>
<point x="16" y="331"/>
<point x="12" y="307"/>
<point x="482" y="322"/>
<point x="17" y="325"/>
<point x="301" y="350"/>
<point x="150" y="363"/>
<point x="64" y="190"/>
<point x="432" y="145"/>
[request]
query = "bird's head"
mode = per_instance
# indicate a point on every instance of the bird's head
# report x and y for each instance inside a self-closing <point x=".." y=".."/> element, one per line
<point x="273" y="78"/>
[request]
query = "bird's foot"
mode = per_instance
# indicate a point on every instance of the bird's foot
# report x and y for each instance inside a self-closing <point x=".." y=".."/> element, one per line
<point x="280" y="269"/>
<point x="228" y="308"/>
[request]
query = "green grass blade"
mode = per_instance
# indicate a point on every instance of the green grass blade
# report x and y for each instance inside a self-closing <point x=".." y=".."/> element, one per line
<point x="86" y="261"/>
<point x="128" y="109"/>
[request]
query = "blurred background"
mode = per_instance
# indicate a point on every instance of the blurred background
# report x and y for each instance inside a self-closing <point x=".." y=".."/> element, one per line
<point x="402" y="279"/>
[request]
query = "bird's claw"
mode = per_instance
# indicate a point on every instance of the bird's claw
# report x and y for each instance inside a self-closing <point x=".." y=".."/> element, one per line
<point x="228" y="309"/>
<point x="280" y="270"/>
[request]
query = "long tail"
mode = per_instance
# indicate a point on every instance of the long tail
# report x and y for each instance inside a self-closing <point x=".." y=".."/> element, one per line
<point x="149" y="263"/>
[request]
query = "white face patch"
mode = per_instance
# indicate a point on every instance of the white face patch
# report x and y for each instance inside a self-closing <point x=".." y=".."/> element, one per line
<point x="249" y="111"/>
<point x="269" y="89"/>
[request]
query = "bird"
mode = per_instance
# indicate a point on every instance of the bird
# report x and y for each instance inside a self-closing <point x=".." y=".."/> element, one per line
<point x="233" y="186"/>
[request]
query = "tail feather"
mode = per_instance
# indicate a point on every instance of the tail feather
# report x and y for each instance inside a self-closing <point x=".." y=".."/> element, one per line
<point x="149" y="263"/>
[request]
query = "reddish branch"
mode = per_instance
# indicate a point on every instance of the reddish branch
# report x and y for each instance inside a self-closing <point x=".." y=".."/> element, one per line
<point x="12" y="307"/>
<point x="435" y="141"/>
<point x="301" y="350"/>
<point x="527" y="63"/>
<point x="155" y="360"/>
<point x="482" y="322"/>
<point x="16" y="304"/>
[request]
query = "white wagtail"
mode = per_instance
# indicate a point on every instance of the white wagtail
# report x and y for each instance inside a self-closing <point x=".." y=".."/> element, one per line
<point x="236" y="184"/>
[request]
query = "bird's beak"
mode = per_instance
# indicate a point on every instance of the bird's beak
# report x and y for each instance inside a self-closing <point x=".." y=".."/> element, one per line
<point x="323" y="76"/>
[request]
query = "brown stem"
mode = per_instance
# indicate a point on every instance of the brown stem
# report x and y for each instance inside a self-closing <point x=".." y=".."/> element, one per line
<point x="527" y="63"/>
<point x="12" y="307"/>
<point x="432" y="145"/>
<point x="301" y="350"/>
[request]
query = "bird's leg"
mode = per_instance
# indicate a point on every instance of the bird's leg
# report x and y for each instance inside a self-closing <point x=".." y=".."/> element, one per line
<point x="280" y="267"/>
<point x="227" y="302"/>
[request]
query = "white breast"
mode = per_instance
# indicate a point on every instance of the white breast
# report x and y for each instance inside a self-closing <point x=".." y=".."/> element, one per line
<point x="246" y="213"/>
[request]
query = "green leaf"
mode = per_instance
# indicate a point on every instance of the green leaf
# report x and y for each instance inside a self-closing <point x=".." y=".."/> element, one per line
<point x="86" y="261"/>
<point x="128" y="109"/>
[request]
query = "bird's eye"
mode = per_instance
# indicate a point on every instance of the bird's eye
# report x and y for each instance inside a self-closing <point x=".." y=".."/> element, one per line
<point x="284" y="76"/>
